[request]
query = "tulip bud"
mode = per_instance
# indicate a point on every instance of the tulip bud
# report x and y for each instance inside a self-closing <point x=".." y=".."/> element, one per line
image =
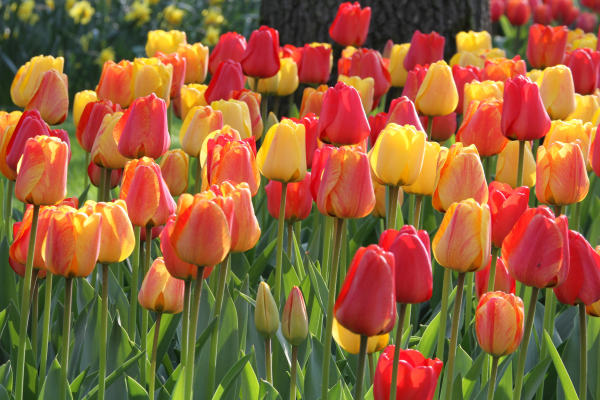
<point x="586" y="108"/>
<point x="288" y="77"/>
<point x="261" y="57"/>
<point x="508" y="161"/>
<point x="351" y="24"/>
<point x="437" y="94"/>
<point x="503" y="282"/>
<point x="198" y="124"/>
<point x="196" y="61"/>
<point x="191" y="95"/>
<point x="481" y="127"/>
<point x="175" y="166"/>
<point x="546" y="45"/>
<point x="231" y="46"/>
<point x="506" y="206"/>
<point x="463" y="77"/>
<point x="294" y="321"/>
<point x="312" y="101"/>
<point x="557" y="91"/>
<point x="364" y="88"/>
<point x="311" y="125"/>
<point x="90" y="121"/>
<point x="396" y="67"/>
<point x="8" y="124"/>
<point x="366" y="63"/>
<point x="424" y="49"/>
<point x="502" y="69"/>
<point x="518" y="12"/>
<point x="298" y="201"/>
<point x="351" y="341"/>
<point x="377" y="123"/>
<point x="244" y="227"/>
<point x="496" y="9"/>
<point x="480" y="91"/>
<point x="266" y="315"/>
<point x="81" y="100"/>
<point x="115" y="83"/>
<point x="151" y="77"/>
<point x="314" y="64"/>
<point x="424" y="185"/>
<point x="523" y="114"/>
<point x="282" y="157"/>
<point x="473" y="41"/>
<point x="179" y="68"/>
<point x="165" y="42"/>
<point x="499" y="312"/>
<point x="94" y="171"/>
<point x="235" y="114"/>
<point x="467" y="59"/>
<point x="569" y="132"/>
<point x="160" y="292"/>
<point x="105" y="152"/>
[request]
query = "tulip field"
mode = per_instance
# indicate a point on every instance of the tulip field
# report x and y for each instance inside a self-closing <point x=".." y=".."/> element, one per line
<point x="414" y="228"/>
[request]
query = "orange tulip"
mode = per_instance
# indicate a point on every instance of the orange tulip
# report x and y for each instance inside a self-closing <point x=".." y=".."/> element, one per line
<point x="90" y="121"/>
<point x="499" y="323"/>
<point x="8" y="123"/>
<point x="105" y="151"/>
<point x="312" y="100"/>
<point x="500" y="69"/>
<point x="196" y="61"/>
<point x="115" y="83"/>
<point x="161" y="292"/>
<point x="244" y="227"/>
<point x="568" y="132"/>
<point x="459" y="176"/>
<point x="175" y="166"/>
<point x="177" y="267"/>
<point x="179" y="71"/>
<point x="561" y="174"/>
<point x="42" y="173"/>
<point x="463" y="241"/>
<point x="481" y="127"/>
<point x="298" y="200"/>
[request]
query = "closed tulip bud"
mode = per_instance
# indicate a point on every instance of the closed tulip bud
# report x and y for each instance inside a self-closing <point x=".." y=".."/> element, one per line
<point x="177" y="267"/>
<point x="312" y="101"/>
<point x="24" y="85"/>
<point x="562" y="175"/>
<point x="351" y="24"/>
<point x="342" y="120"/>
<point x="298" y="201"/>
<point x="266" y="315"/>
<point x="367" y="63"/>
<point x="151" y="76"/>
<point x="8" y="123"/>
<point x="557" y="91"/>
<point x="503" y="282"/>
<point x="244" y="227"/>
<point x="42" y="173"/>
<point x="584" y="65"/>
<point x="364" y="87"/>
<point x="351" y="341"/>
<point x="524" y="116"/>
<point x="464" y="77"/>
<point x="397" y="157"/>
<point x="459" y="176"/>
<point x="437" y="94"/>
<point x="178" y="74"/>
<point x="499" y="323"/>
<point x="345" y="189"/>
<point x="231" y="46"/>
<point x="424" y="49"/>
<point x="508" y="161"/>
<point x="314" y="64"/>
<point x="534" y="75"/>
<point x="569" y="132"/>
<point x="261" y="57"/>
<point x="396" y="67"/>
<point x="191" y="96"/>
<point x="81" y="100"/>
<point x="196" y="61"/>
<point x="199" y="123"/>
<point x="518" y="12"/>
<point x="501" y="69"/>
<point x="467" y="59"/>
<point x="143" y="129"/>
<point x="366" y="304"/>
<point x="506" y="205"/>
<point x="165" y="42"/>
<point x="481" y="127"/>
<point x="311" y="125"/>
<point x="267" y="85"/>
<point x="424" y="185"/>
<point x="174" y="166"/>
<point x="320" y="158"/>
<point x="473" y="41"/>
<point x="115" y="83"/>
<point x="94" y="171"/>
<point x="160" y="292"/>
<point x="402" y="112"/>
<point x="149" y="202"/>
<point x="90" y="121"/>
<point x="587" y="21"/>
<point x="294" y="321"/>
<point x="72" y="243"/>
<point x="542" y="14"/>
<point x="377" y="123"/>
<point x="497" y="8"/>
<point x="252" y="100"/>
<point x="236" y="114"/>
<point x="586" y="108"/>
<point x="288" y="77"/>
<point x="442" y="128"/>
<point x="480" y="91"/>
<point x="105" y="152"/>
<point x="282" y="157"/>
<point x="546" y="45"/>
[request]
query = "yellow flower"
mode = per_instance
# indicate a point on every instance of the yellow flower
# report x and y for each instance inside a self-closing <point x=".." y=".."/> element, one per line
<point x="213" y="16"/>
<point x="466" y="58"/>
<point x="473" y="41"/>
<point x="50" y="4"/>
<point x="588" y="40"/>
<point x="173" y="15"/>
<point x="82" y="12"/>
<point x="165" y="42"/>
<point x="212" y="36"/>
<point x="69" y="4"/>
<point x="107" y="54"/>
<point x="139" y="12"/>
<point x="492" y="54"/>
<point x="365" y="88"/>
<point x="534" y="75"/>
<point x="26" y="10"/>
<point x="574" y="35"/>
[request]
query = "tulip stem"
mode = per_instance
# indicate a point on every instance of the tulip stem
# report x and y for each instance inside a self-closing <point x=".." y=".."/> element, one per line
<point x="558" y="211"/>
<point x="583" y="368"/>
<point x="101" y="185"/>
<point x="145" y="314"/>
<point x="290" y="104"/>
<point x="525" y="344"/>
<point x="268" y="364"/>
<point x="517" y="45"/>
<point x="293" y="373"/>
<point x="520" y="165"/>
<point x="454" y="335"/>
<point x="393" y="204"/>
<point x="439" y="353"/>
<point x="103" y="333"/>
<point x="34" y="313"/>
<point x="418" y="205"/>
<point x="133" y="288"/>
<point x="360" y="369"/>
<point x="290" y="238"/>
<point x="486" y="168"/>
<point x="575" y="217"/>
<point x="198" y="179"/>
<point x="411" y="209"/>
<point x="492" y="277"/>
<point x="25" y="299"/>
<point x="191" y="357"/>
<point x="108" y="175"/>
<point x="548" y="307"/>
<point x="371" y="368"/>
<point x="398" y="346"/>
<point x="280" y="244"/>
<point x="429" y="127"/>
<point x="45" y="328"/>
<point x="64" y="365"/>
<point x="214" y="339"/>
<point x="492" y="382"/>
<point x="343" y="250"/>
<point x="185" y="323"/>
<point x="326" y="247"/>
<point x="263" y="111"/>
<point x="86" y="177"/>
<point x="276" y="106"/>
<point x="10" y="188"/>
<point x="469" y="302"/>
<point x="153" y="358"/>
<point x="330" y="303"/>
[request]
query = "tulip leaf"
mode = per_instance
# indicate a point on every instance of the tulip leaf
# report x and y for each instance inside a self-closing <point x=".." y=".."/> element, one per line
<point x="250" y="386"/>
<point x="3" y="393"/>
<point x="429" y="339"/>
<point x="30" y="377"/>
<point x="179" y="389"/>
<point x="173" y="379"/>
<point x="7" y="277"/>
<point x="317" y="286"/>
<point x="314" y="368"/>
<point x="6" y="376"/>
<point x="134" y="390"/>
<point x="247" y="298"/>
<point x="83" y="196"/>
<point x="505" y="362"/>
<point x="77" y="383"/>
<point x="230" y="377"/>
<point x="50" y="389"/>
<point x="298" y="264"/>
<point x="261" y="262"/>
<point x="534" y="379"/>
<point x="570" y="356"/>
<point x="504" y="390"/>
<point x="168" y="326"/>
<point x="563" y="375"/>
<point x="472" y="376"/>
<point x="369" y="395"/>
<point x="358" y="238"/>
<point x="268" y="392"/>
<point x="239" y="265"/>
<point x="593" y="337"/>
<point x="457" y="393"/>
<point x="116" y="295"/>
<point x="290" y="278"/>
<point x="93" y="394"/>
<point x="335" y="393"/>
<point x="314" y="244"/>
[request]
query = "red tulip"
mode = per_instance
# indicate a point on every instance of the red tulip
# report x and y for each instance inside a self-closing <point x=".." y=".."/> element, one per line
<point x="503" y="282"/>
<point x="231" y="46"/>
<point x="481" y="127"/>
<point x="564" y="11"/>
<point x="546" y="45"/>
<point x="30" y="125"/>
<point x="320" y="158"/>
<point x="367" y="63"/>
<point x="463" y="76"/>
<point x="377" y="123"/>
<point x="414" y="79"/>
<point x="351" y="25"/>
<point x="298" y="201"/>
<point x="518" y="12"/>
<point x="496" y="9"/>
<point x="542" y="14"/>
<point x="587" y="21"/>
<point x="227" y="78"/>
<point x="311" y="126"/>
<point x="90" y="121"/>
<point x="442" y="128"/>
<point x="424" y="49"/>
<point x="179" y="67"/>
<point x="261" y="58"/>
<point x="524" y="116"/>
<point x="94" y="173"/>
<point x="402" y="112"/>
<point x="507" y="206"/>
<point x="585" y="67"/>
<point x="313" y="63"/>
<point x="115" y="83"/>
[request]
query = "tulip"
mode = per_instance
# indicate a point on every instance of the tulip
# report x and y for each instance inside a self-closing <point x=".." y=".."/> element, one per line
<point x="371" y="272"/>
<point x="115" y="83"/>
<point x="244" y="227"/>
<point x="8" y="123"/>
<point x="402" y="112"/>
<point x="464" y="77"/>
<point x="90" y="121"/>
<point x="546" y="45"/>
<point x="396" y="67"/>
<point x="196" y="61"/>
<point x="282" y="157"/>
<point x="542" y="14"/>
<point x="143" y="129"/>
<point x="562" y="175"/>
<point x="497" y="9"/>
<point x="557" y="91"/>
<point x="502" y="69"/>
<point x="589" y="40"/>
<point x="165" y="42"/>
<point x="342" y="120"/>
<point x="442" y="127"/>
<point x="268" y="85"/>
<point x="191" y="95"/>
<point x="231" y="46"/>
<point x="320" y="158"/>
<point x="506" y="165"/>
<point x="199" y="123"/>
<point x="524" y="115"/>
<point x="365" y="88"/>
<point x="503" y="282"/>
<point x="569" y="132"/>
<point x="236" y="114"/>
<point x="473" y="41"/>
<point x="81" y="100"/>
<point x="314" y="65"/>
<point x="288" y="77"/>
<point x="161" y="292"/>
<point x="151" y="76"/>
<point x="266" y="316"/>
<point x="312" y="101"/>
<point x="499" y="323"/>
<point x="534" y="75"/>
<point x="24" y="85"/>
<point x="518" y="12"/>
<point x="459" y="164"/>
<point x="481" y="127"/>
<point x="377" y="123"/>
<point x="253" y="101"/>
<point x="437" y="94"/>
<point x="311" y="124"/>
<point x="586" y="108"/>
<point x="94" y="174"/>
<point x="149" y="202"/>
<point x="417" y="376"/>
<point x="298" y="201"/>
<point x="174" y="166"/>
<point x="345" y="189"/>
<point x="584" y="65"/>
<point x="105" y="152"/>
<point x="467" y="59"/>
<point x="424" y="185"/>
<point x="42" y="178"/>
<point x="261" y="57"/>
<point x="177" y="268"/>
<point x="506" y="205"/>
<point x="424" y="49"/>
<point x="179" y="71"/>
<point x="369" y="64"/>
<point x="351" y="25"/>
<point x="294" y="321"/>
<point x="351" y="341"/>
<point x="414" y="79"/>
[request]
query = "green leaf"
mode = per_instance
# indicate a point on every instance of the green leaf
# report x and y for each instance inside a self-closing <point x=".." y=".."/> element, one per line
<point x="239" y="265"/>
<point x="134" y="390"/>
<point x="261" y="262"/>
<point x="93" y="394"/>
<point x="7" y="277"/>
<point x="565" y="380"/>
<point x="168" y="326"/>
<point x="30" y="379"/>
<point x="230" y="377"/>
<point x="3" y="393"/>
<point x="268" y="392"/>
<point x="170" y="383"/>
<point x="290" y="278"/>
<point x="84" y="194"/>
<point x="472" y="376"/>
<point x="457" y="393"/>
<point x="501" y="371"/>
<point x="534" y="379"/>
<point x="335" y="393"/>
<point x="50" y="390"/>
<point x="357" y="239"/>
<point x="78" y="381"/>
<point x="250" y="386"/>
<point x="247" y="298"/>
<point x="314" y="371"/>
<point x="179" y="390"/>
<point x="6" y="376"/>
<point x="298" y="264"/>
<point x="429" y="339"/>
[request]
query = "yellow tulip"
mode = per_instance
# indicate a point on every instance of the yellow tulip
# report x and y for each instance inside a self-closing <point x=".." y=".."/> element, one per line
<point x="396" y="67"/>
<point x="365" y="88"/>
<point x="424" y="185"/>
<point x="482" y="91"/>
<point x="508" y="160"/>
<point x="350" y="341"/>
<point x="492" y="53"/>
<point x="587" y="107"/>
<point x="192" y="95"/>
<point x="569" y="132"/>
<point x="150" y="75"/>
<point x="557" y="91"/>
<point x="268" y="85"/>
<point x="288" y="77"/>
<point x="105" y="151"/>
<point x="196" y="61"/>
<point x="588" y="40"/>
<point x="473" y="41"/>
<point x="226" y="130"/>
<point x="25" y="83"/>
<point x="165" y="42"/>
<point x="466" y="58"/>
<point x="81" y="100"/>
<point x="534" y="75"/>
<point x="235" y="114"/>
<point x="198" y="124"/>
<point x="574" y="35"/>
<point x="282" y="156"/>
<point x="437" y="95"/>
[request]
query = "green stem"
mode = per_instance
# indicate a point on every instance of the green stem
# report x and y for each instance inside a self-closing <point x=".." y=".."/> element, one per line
<point x="34" y="314"/>
<point x="198" y="180"/>
<point x="454" y="335"/>
<point x="185" y="323"/>
<point x="486" y="169"/>
<point x="517" y="44"/>
<point x="263" y="109"/>
<point x="290" y="104"/>
<point x="412" y="212"/>
<point x="575" y="218"/>
<point x="64" y="365"/>
<point x="25" y="298"/>
<point x="86" y="177"/>
<point x="360" y="373"/>
<point x="439" y="353"/>
<point x="429" y="127"/>
<point x="330" y="303"/>
<point x="371" y="368"/>
<point x="107" y="195"/>
<point x="153" y="359"/>
<point x="520" y="165"/>
<point x="398" y="346"/>
<point x="45" y="328"/>
<point x="10" y="188"/>
<point x="418" y="205"/>
<point x="170" y="118"/>
<point x="214" y="338"/>
<point x="492" y="383"/>
<point x="101" y="185"/>
<point x="525" y="344"/>
<point x="144" y="332"/>
<point x="469" y="302"/>
<point x="133" y="288"/>
<point x="327" y="237"/>
<point x="276" y="106"/>
<point x="290" y="238"/>
<point x="298" y="233"/>
<point x="293" y="372"/>
<point x="343" y="252"/>
<point x="583" y="368"/>
<point x="492" y="276"/>
<point x="280" y="226"/>
<point x="393" y="203"/>
<point x="544" y="346"/>
<point x="103" y="333"/>
<point x="268" y="363"/>
<point x="191" y="357"/>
